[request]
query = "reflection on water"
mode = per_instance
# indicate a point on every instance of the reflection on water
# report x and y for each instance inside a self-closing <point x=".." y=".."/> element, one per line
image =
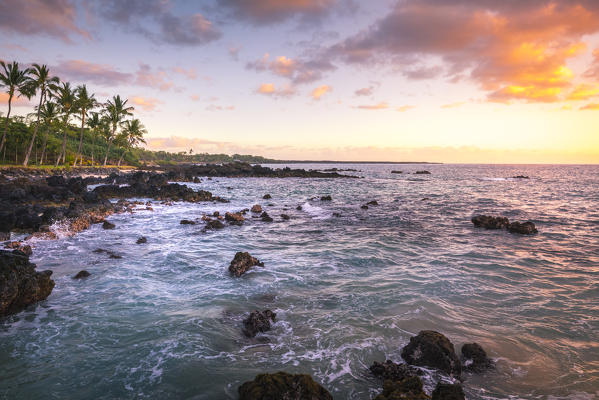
<point x="164" y="321"/>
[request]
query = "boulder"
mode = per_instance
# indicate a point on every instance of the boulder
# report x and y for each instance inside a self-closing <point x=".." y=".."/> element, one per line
<point x="265" y="217"/>
<point x="372" y="203"/>
<point x="285" y="217"/>
<point x="142" y="240"/>
<point x="82" y="274"/>
<point x="267" y="196"/>
<point x="187" y="222"/>
<point x="474" y="358"/>
<point x="20" y="284"/>
<point x="258" y="321"/>
<point x="406" y="389"/>
<point x="523" y="228"/>
<point x="242" y="262"/>
<point x="393" y="371"/>
<point x="214" y="224"/>
<point x="234" y="218"/>
<point x="108" y="225"/>
<point x="326" y="198"/>
<point x="256" y="208"/>
<point x="448" y="391"/>
<point x="490" y="222"/>
<point x="422" y="172"/>
<point x="282" y="385"/>
<point x="520" y="177"/>
<point x="432" y="349"/>
<point x="364" y="207"/>
<point x="396" y="172"/>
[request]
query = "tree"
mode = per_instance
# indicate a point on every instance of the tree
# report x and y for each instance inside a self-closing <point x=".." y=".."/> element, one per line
<point x="42" y="81"/>
<point x="49" y="114"/>
<point x="67" y="101"/>
<point x="84" y="103"/>
<point x="94" y="123"/>
<point x="116" y="110"/>
<point x="15" y="81"/>
<point x="133" y="132"/>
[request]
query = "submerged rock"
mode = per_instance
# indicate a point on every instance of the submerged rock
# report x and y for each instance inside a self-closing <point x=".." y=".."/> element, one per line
<point x="256" y="208"/>
<point x="20" y="284"/>
<point x="372" y="203"/>
<point x="142" y="240"/>
<point x="422" y="172"/>
<point x="474" y="358"/>
<point x="448" y="391"/>
<point x="405" y="389"/>
<point x="82" y="274"/>
<point x="267" y="196"/>
<point x="282" y="385"/>
<point x="326" y="198"/>
<point x="214" y="224"/>
<point x="393" y="371"/>
<point x="520" y="177"/>
<point x="396" y="172"/>
<point x="285" y="217"/>
<point x="432" y="349"/>
<point x="490" y="222"/>
<point x="187" y="222"/>
<point x="258" y="321"/>
<point x="265" y="217"/>
<point x="523" y="228"/>
<point x="108" y="225"/>
<point x="242" y="262"/>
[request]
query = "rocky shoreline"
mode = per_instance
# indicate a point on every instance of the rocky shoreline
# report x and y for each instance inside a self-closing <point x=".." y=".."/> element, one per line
<point x="32" y="201"/>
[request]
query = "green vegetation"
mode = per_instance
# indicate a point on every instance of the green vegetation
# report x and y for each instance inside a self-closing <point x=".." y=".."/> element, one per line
<point x="106" y="133"/>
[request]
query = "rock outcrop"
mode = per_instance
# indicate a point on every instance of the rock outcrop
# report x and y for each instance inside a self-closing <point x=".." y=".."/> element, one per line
<point x="283" y="386"/>
<point x="20" y="284"/>
<point x="523" y="228"/>
<point x="474" y="358"/>
<point x="242" y="262"/>
<point x="405" y="389"/>
<point x="82" y="274"/>
<point x="448" y="391"/>
<point x="258" y="321"/>
<point x="393" y="371"/>
<point x="432" y="349"/>
<point x="490" y="222"/>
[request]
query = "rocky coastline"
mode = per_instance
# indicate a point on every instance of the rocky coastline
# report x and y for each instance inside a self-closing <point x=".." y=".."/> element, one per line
<point x="31" y="201"/>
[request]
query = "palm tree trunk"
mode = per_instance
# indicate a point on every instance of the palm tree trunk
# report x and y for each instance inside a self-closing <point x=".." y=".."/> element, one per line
<point x="80" y="139"/>
<point x="37" y="124"/>
<point x="64" y="146"/>
<point x="108" y="150"/>
<point x="6" y="122"/>
<point x="93" y="145"/>
<point x="44" y="146"/>
<point x="122" y="156"/>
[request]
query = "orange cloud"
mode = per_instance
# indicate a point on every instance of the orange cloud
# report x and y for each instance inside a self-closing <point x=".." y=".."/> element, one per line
<point x="320" y="91"/>
<point x="454" y="105"/>
<point x="583" y="91"/>
<point x="405" y="108"/>
<point x="380" y="106"/>
<point x="273" y="11"/>
<point x="512" y="50"/>
<point x="146" y="103"/>
<point x="195" y="97"/>
<point x="16" y="101"/>
<point x="190" y="73"/>
<point x="269" y="89"/>
<point x="591" y="106"/>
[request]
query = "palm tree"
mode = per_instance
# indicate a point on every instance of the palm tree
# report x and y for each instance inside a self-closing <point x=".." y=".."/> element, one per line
<point x="15" y="80"/>
<point x="85" y="102"/>
<point x="116" y="110"/>
<point x="93" y="123"/>
<point x="40" y="79"/>
<point x="67" y="102"/>
<point x="133" y="132"/>
<point x="49" y="115"/>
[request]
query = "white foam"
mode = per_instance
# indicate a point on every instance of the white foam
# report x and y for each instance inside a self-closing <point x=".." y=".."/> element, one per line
<point x="316" y="212"/>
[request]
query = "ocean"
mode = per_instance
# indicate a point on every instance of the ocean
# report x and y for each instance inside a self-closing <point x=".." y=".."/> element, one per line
<point x="164" y="321"/>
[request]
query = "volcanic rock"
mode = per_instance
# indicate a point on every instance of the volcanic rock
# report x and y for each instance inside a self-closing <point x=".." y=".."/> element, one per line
<point x="434" y="350"/>
<point x="242" y="262"/>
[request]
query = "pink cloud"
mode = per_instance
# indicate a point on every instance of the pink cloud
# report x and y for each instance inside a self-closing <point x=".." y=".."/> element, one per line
<point x="320" y="91"/>
<point x="145" y="103"/>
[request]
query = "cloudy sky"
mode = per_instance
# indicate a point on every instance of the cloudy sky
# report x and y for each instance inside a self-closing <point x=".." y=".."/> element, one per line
<point x="436" y="80"/>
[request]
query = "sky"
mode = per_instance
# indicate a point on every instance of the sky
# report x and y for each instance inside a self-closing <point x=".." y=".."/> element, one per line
<point x="461" y="81"/>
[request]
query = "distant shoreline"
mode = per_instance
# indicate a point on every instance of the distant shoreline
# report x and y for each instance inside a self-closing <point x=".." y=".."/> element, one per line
<point x="347" y="162"/>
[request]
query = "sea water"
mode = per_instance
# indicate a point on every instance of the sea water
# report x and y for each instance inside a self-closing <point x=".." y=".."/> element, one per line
<point x="164" y="321"/>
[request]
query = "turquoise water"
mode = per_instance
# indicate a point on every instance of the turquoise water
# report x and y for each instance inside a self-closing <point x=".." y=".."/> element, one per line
<point x="164" y="322"/>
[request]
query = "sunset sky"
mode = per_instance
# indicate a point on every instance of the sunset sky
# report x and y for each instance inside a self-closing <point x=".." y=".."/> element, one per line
<point x="434" y="80"/>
